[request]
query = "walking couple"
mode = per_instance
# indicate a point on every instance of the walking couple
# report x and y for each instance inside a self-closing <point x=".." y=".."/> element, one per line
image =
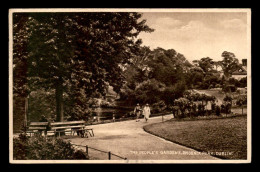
<point x="146" y="112"/>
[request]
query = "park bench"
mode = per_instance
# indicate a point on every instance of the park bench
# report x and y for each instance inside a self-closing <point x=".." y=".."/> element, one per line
<point x="60" y="127"/>
<point x="37" y="128"/>
<point x="72" y="127"/>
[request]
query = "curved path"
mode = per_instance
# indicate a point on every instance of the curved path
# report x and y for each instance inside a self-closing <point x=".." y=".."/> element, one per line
<point x="128" y="139"/>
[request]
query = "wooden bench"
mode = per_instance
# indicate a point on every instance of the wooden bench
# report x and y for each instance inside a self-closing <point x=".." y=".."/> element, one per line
<point x="72" y="127"/>
<point x="37" y="128"/>
<point x="60" y="127"/>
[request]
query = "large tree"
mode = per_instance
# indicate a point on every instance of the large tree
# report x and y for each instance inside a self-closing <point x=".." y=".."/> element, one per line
<point x="70" y="52"/>
<point x="160" y="74"/>
<point x="206" y="63"/>
<point x="168" y="66"/>
<point x="229" y="63"/>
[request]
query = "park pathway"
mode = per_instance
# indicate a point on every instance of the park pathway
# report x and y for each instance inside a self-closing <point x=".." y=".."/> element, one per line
<point x="128" y="139"/>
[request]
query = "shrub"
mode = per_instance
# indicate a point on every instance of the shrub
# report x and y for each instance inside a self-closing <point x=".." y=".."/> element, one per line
<point x="126" y="93"/>
<point x="245" y="101"/>
<point x="173" y="92"/>
<point x="218" y="86"/>
<point x="226" y="108"/>
<point x="217" y="110"/>
<point x="243" y="82"/>
<point x="229" y="88"/>
<point x="201" y="110"/>
<point x="77" y="113"/>
<point x="227" y="98"/>
<point x="241" y="100"/>
<point x="158" y="107"/>
<point x="211" y="86"/>
<point x="149" y="91"/>
<point x="183" y="104"/>
<point x="213" y="106"/>
<point x="80" y="155"/>
<point x="41" y="148"/>
<point x="222" y="108"/>
<point x="204" y="85"/>
<point x="233" y="81"/>
<point x="175" y="110"/>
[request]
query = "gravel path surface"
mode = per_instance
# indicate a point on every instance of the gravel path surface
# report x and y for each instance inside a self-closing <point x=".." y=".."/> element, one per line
<point x="128" y="139"/>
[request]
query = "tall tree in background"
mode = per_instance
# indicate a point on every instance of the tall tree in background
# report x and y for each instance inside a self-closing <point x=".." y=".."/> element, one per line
<point x="138" y="69"/>
<point x="71" y="52"/>
<point x="168" y="66"/>
<point x="155" y="75"/>
<point x="216" y="64"/>
<point x="229" y="63"/>
<point x="206" y="64"/>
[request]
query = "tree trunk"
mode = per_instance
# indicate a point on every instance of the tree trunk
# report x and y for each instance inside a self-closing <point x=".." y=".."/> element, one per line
<point x="59" y="101"/>
<point x="59" y="104"/>
<point x="26" y="111"/>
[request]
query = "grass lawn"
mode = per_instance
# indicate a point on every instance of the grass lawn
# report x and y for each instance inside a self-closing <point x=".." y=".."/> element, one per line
<point x="216" y="93"/>
<point x="213" y="135"/>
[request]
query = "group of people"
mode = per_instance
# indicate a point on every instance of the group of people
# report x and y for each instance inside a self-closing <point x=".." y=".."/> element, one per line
<point x="145" y="111"/>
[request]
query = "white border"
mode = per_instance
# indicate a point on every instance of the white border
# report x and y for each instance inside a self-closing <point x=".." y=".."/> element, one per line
<point x="249" y="89"/>
<point x="10" y="86"/>
<point x="127" y="10"/>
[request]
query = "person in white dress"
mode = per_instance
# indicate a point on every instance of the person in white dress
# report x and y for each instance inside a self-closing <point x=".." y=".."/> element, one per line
<point x="146" y="112"/>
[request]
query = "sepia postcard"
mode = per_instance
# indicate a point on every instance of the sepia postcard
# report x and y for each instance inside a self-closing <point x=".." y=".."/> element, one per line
<point x="126" y="85"/>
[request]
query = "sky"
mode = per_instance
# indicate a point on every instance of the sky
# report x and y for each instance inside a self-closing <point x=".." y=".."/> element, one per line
<point x="198" y="34"/>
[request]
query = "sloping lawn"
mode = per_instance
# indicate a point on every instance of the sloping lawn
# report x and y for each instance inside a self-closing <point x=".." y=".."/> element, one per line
<point x="228" y="135"/>
<point x="216" y="93"/>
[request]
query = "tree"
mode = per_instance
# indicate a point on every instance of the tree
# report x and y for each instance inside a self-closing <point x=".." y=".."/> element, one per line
<point x="194" y="76"/>
<point x="206" y="64"/>
<point x="183" y="104"/>
<point x="216" y="64"/>
<point x="211" y="80"/>
<point x="240" y="102"/>
<point x="229" y="63"/>
<point x="168" y="66"/>
<point x="150" y="69"/>
<point x="70" y="52"/>
<point x="149" y="91"/>
<point x="227" y="103"/>
<point x="137" y="70"/>
<point x="173" y="92"/>
<point x="243" y="82"/>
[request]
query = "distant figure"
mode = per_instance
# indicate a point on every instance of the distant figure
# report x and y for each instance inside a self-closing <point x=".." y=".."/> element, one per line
<point x="137" y="111"/>
<point x="146" y="112"/>
<point x="114" y="118"/>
